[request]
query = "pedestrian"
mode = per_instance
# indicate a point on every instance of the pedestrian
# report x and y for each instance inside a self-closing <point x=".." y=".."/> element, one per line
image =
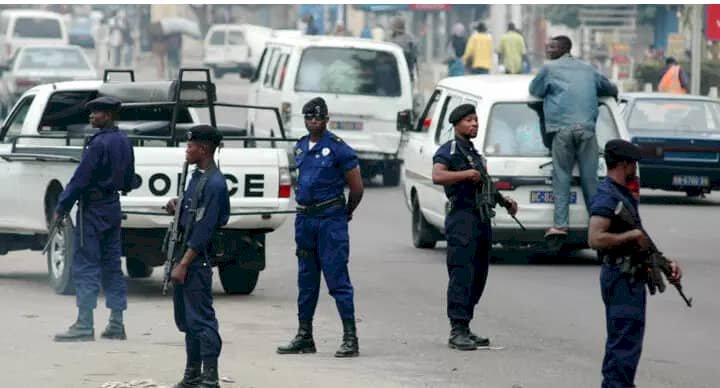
<point x="159" y="48"/>
<point x="107" y="167"/>
<point x="479" y="51"/>
<point x="325" y="164"/>
<point x="624" y="296"/>
<point x="407" y="43"/>
<point x="311" y="28"/>
<point x="673" y="79"/>
<point x="204" y="209"/>
<point x="468" y="233"/>
<point x="570" y="89"/>
<point x="174" y="54"/>
<point x="512" y="51"/>
<point x="456" y="48"/>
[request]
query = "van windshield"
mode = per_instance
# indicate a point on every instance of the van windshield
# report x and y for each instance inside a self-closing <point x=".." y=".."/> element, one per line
<point x="39" y="28"/>
<point x="513" y="129"/>
<point x="348" y="71"/>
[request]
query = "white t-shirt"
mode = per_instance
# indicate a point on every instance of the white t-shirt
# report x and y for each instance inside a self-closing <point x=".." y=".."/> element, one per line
<point x="311" y="144"/>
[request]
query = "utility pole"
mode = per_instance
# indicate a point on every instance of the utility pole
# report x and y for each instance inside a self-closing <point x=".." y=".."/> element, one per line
<point x="696" y="48"/>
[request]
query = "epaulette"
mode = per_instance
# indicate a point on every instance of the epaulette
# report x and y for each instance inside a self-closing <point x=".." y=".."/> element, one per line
<point x="452" y="147"/>
<point x="337" y="138"/>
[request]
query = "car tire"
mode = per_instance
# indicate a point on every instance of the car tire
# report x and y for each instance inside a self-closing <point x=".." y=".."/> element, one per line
<point x="422" y="231"/>
<point x="391" y="174"/>
<point x="136" y="269"/>
<point x="236" y="280"/>
<point x="59" y="260"/>
<point x="217" y="73"/>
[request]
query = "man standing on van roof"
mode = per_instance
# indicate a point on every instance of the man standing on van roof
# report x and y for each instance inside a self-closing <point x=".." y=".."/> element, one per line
<point x="325" y="164"/>
<point x="479" y="52"/>
<point x="570" y="89"/>
<point x="107" y="167"/>
<point x="512" y="50"/>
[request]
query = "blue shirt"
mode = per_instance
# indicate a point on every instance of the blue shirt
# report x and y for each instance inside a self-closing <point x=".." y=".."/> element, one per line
<point x="213" y="210"/>
<point x="462" y="193"/>
<point x="321" y="170"/>
<point x="570" y="89"/>
<point x="604" y="202"/>
<point x="107" y="166"/>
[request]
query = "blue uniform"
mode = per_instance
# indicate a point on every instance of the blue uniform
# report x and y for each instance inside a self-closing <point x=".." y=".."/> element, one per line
<point x="624" y="298"/>
<point x="468" y="237"/>
<point x="107" y="166"/>
<point x="193" y="302"/>
<point x="322" y="237"/>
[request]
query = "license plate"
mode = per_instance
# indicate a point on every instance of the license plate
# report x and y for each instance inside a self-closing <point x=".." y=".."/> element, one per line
<point x="547" y="197"/>
<point x="691" y="180"/>
<point x="346" y="125"/>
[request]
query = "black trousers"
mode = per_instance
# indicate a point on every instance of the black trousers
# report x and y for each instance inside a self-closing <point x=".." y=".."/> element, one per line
<point x="469" y="242"/>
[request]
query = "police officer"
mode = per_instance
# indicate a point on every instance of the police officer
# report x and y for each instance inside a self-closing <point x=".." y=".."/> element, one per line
<point x="325" y="164"/>
<point x="623" y="295"/>
<point x="205" y="208"/>
<point x="107" y="166"/>
<point x="468" y="234"/>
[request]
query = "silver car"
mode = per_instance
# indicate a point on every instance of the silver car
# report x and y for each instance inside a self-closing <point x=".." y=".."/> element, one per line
<point x="35" y="65"/>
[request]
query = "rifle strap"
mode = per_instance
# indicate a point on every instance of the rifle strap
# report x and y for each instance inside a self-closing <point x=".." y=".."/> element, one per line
<point x="629" y="205"/>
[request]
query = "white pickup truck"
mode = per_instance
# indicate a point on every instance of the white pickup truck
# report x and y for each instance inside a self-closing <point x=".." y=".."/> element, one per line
<point x="41" y="143"/>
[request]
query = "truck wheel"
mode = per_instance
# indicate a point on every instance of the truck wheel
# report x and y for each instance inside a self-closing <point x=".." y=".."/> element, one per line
<point x="137" y="269"/>
<point x="236" y="280"/>
<point x="59" y="261"/>
<point x="422" y="231"/>
<point x="391" y="174"/>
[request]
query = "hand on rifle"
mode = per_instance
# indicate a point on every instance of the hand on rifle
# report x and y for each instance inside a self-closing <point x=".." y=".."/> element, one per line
<point x="641" y="239"/>
<point x="171" y="206"/>
<point x="673" y="273"/>
<point x="512" y="206"/>
<point x="473" y="175"/>
<point x="59" y="215"/>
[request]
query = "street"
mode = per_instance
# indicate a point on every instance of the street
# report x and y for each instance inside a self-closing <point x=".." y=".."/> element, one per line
<point x="549" y="317"/>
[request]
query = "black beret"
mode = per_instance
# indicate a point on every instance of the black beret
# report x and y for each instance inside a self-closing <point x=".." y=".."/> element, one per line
<point x="316" y="106"/>
<point x="206" y="133"/>
<point x="621" y="150"/>
<point x="104" y="104"/>
<point x="461" y="112"/>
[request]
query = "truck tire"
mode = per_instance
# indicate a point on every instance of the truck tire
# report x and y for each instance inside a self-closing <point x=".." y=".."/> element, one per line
<point x="391" y="174"/>
<point x="59" y="261"/>
<point x="236" y="280"/>
<point x="422" y="231"/>
<point x="137" y="269"/>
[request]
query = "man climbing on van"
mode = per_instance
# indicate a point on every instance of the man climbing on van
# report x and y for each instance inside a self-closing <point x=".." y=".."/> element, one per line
<point x="674" y="79"/>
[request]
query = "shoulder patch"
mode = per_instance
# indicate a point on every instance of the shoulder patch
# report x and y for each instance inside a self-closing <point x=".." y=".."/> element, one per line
<point x="298" y="151"/>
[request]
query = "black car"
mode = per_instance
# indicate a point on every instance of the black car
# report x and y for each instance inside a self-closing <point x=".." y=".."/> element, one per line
<point x="680" y="139"/>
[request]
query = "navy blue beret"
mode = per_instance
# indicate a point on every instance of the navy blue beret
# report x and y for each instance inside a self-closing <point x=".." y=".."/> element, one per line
<point x="460" y="113"/>
<point x="206" y="133"/>
<point x="104" y="104"/>
<point x="316" y="106"/>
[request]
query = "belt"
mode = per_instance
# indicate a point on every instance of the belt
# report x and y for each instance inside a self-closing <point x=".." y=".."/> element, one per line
<point x="615" y="260"/>
<point x="98" y="195"/>
<point x="320" y="206"/>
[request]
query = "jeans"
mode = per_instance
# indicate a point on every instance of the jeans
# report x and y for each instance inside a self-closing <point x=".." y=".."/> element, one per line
<point x="570" y="145"/>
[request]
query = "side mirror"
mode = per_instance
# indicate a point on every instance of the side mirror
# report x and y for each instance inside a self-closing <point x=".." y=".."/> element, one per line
<point x="404" y="120"/>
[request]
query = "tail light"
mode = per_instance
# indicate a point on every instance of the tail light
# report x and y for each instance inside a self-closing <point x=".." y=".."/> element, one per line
<point x="504" y="185"/>
<point x="286" y="112"/>
<point x="24" y="82"/>
<point x="634" y="187"/>
<point x="285" y="183"/>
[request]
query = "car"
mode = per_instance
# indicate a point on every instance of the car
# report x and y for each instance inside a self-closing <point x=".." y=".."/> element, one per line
<point x="510" y="138"/>
<point x="366" y="84"/>
<point x="81" y="31"/>
<point x="234" y="48"/>
<point x="35" y="65"/>
<point x="24" y="27"/>
<point x="680" y="139"/>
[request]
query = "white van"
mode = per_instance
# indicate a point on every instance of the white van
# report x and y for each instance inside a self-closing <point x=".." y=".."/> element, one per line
<point x="24" y="27"/>
<point x="509" y="137"/>
<point x="234" y="48"/>
<point x="365" y="83"/>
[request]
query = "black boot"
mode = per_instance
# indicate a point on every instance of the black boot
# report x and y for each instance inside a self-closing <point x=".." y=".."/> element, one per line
<point x="81" y="330"/>
<point x="115" y="328"/>
<point x="349" y="346"/>
<point x="210" y="375"/>
<point x="303" y="341"/>
<point x="191" y="378"/>
<point x="460" y="336"/>
<point x="479" y="341"/>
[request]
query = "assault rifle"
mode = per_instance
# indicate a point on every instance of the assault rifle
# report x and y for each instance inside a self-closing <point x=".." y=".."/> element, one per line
<point x="653" y="261"/>
<point x="56" y="225"/>
<point x="172" y="244"/>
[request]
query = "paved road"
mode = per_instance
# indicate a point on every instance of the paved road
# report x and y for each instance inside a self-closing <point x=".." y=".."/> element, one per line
<point x="548" y="316"/>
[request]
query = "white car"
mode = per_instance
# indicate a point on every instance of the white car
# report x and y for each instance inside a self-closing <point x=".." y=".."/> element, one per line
<point x="233" y="48"/>
<point x="36" y="65"/>
<point x="366" y="84"/>
<point x="509" y="137"/>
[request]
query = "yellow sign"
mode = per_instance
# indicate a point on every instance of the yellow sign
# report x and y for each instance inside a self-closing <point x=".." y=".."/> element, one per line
<point x="675" y="46"/>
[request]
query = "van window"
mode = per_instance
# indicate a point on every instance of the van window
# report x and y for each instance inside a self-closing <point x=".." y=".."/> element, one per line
<point x="513" y="129"/>
<point x="4" y="21"/>
<point x="236" y="38"/>
<point x="270" y="69"/>
<point x="42" y="28"/>
<point x="14" y="125"/>
<point x="348" y="71"/>
<point x="445" y="131"/>
<point x="425" y="120"/>
<point x="279" y="75"/>
<point x="217" y="38"/>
